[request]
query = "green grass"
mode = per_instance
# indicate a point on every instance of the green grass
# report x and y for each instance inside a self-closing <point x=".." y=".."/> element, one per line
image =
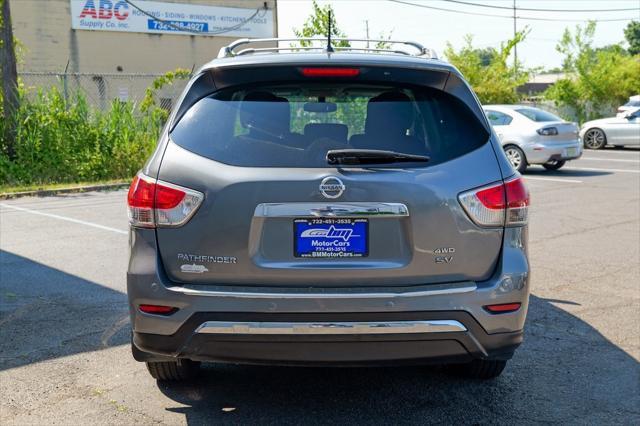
<point x="11" y="189"/>
<point x="62" y="141"/>
<point x="66" y="142"/>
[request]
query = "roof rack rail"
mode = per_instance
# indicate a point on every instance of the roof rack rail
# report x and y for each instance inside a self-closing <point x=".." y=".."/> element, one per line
<point x="230" y="50"/>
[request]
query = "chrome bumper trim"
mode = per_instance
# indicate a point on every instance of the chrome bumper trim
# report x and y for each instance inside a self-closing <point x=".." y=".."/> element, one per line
<point x="430" y="290"/>
<point x="331" y="209"/>
<point x="305" y="328"/>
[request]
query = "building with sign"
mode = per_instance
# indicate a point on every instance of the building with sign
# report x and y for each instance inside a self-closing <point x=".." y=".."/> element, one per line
<point x="133" y="36"/>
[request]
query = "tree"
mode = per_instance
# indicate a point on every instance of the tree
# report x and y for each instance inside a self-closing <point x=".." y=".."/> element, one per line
<point x="9" y="78"/>
<point x="632" y="34"/>
<point x="317" y="24"/>
<point x="597" y="79"/>
<point x="384" y="44"/>
<point x="486" y="55"/>
<point x="487" y="70"/>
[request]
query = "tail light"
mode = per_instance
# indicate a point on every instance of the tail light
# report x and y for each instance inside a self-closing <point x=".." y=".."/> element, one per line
<point x="154" y="203"/>
<point x="547" y="131"/>
<point x="504" y="204"/>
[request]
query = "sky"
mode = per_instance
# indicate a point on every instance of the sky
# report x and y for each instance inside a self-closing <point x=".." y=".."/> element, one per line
<point x="434" y="28"/>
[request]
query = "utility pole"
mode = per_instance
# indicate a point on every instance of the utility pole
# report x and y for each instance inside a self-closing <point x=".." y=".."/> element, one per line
<point x="366" y="23"/>
<point x="515" y="30"/>
<point x="9" y="78"/>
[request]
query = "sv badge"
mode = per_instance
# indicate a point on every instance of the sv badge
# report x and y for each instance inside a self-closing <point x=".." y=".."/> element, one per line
<point x="443" y="259"/>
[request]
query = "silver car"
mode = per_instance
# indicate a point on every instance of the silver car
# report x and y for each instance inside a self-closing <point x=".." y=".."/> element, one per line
<point x="630" y="106"/>
<point x="533" y="136"/>
<point x="618" y="131"/>
<point x="320" y="208"/>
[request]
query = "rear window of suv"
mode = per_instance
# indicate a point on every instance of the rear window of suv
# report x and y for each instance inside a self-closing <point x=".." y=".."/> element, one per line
<point x="295" y="125"/>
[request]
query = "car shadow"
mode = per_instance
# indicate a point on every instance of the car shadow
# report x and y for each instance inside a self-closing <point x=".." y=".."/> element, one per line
<point x="46" y="313"/>
<point x="565" y="371"/>
<point x="617" y="148"/>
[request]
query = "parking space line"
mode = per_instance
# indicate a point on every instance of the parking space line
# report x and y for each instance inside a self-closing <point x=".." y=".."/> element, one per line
<point x="594" y="169"/>
<point x="526" y="178"/>
<point x="611" y="152"/>
<point x="68" y="219"/>
<point x="619" y="160"/>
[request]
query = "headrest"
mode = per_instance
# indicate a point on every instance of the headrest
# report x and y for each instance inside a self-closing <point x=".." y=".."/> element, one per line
<point x="389" y="113"/>
<point x="264" y="112"/>
<point x="334" y="131"/>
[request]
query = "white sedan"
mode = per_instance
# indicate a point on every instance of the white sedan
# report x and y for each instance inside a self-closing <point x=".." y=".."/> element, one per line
<point x="533" y="136"/>
<point x="618" y="131"/>
<point x="630" y="106"/>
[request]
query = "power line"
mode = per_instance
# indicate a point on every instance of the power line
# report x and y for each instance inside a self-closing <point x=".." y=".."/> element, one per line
<point x="189" y="30"/>
<point x="541" y="10"/>
<point x="504" y="16"/>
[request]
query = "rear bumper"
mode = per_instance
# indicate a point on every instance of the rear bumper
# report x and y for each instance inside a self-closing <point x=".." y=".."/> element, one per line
<point x="543" y="152"/>
<point x="459" y="339"/>
<point x="484" y="335"/>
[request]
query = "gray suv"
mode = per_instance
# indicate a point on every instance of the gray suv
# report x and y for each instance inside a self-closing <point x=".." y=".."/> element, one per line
<point x="327" y="207"/>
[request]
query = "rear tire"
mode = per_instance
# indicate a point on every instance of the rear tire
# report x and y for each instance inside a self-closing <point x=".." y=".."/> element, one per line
<point x="594" y="139"/>
<point x="554" y="165"/>
<point x="516" y="157"/>
<point x="181" y="369"/>
<point x="482" y="369"/>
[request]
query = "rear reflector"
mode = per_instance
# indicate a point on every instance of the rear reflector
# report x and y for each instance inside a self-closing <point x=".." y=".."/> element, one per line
<point x="155" y="203"/>
<point x="503" y="204"/>
<point x="503" y="308"/>
<point x="158" y="309"/>
<point x="330" y="72"/>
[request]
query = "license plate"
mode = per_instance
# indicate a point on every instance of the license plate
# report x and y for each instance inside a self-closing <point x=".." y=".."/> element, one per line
<point x="331" y="237"/>
<point x="570" y="152"/>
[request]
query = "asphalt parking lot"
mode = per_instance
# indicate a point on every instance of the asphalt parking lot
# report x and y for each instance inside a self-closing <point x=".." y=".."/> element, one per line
<point x="64" y="331"/>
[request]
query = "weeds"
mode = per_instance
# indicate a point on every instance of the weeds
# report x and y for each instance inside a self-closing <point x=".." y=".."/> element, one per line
<point x="61" y="141"/>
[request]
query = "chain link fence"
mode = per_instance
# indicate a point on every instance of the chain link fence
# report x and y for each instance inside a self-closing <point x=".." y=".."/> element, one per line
<point x="101" y="89"/>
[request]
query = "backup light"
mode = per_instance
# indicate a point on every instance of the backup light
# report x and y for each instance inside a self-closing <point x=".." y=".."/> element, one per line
<point x="330" y="72"/>
<point x="154" y="203"/>
<point x="503" y="204"/>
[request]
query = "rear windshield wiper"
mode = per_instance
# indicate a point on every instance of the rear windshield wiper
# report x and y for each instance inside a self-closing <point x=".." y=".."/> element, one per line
<point x="371" y="156"/>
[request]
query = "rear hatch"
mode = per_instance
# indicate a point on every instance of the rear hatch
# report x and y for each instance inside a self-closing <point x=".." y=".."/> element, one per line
<point x="276" y="212"/>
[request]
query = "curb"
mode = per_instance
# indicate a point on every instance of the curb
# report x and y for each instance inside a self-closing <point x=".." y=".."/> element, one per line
<point x="70" y="190"/>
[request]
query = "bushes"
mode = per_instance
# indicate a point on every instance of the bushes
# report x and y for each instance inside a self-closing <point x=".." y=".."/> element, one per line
<point x="488" y="70"/>
<point x="60" y="141"/>
<point x="597" y="79"/>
